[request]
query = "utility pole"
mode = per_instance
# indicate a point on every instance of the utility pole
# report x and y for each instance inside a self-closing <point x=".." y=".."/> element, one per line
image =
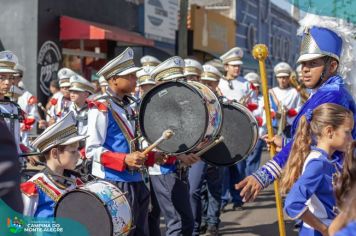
<point x="182" y="30"/>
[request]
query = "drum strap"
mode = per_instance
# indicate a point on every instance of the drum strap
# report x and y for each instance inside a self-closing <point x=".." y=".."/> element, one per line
<point x="47" y="190"/>
<point x="274" y="97"/>
<point x="124" y="129"/>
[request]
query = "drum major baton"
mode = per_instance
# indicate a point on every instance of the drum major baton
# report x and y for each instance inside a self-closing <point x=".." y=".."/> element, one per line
<point x="260" y="53"/>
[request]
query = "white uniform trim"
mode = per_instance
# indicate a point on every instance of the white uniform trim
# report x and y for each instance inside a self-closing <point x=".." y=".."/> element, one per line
<point x="290" y="98"/>
<point x="314" y="204"/>
<point x="31" y="202"/>
<point x="240" y="85"/>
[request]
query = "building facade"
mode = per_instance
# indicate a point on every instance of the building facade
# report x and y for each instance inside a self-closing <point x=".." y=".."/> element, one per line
<point x="260" y="21"/>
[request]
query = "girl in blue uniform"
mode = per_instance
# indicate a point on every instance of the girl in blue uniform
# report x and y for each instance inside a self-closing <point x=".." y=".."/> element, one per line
<point x="309" y="169"/>
<point x="345" y="193"/>
<point x="346" y="221"/>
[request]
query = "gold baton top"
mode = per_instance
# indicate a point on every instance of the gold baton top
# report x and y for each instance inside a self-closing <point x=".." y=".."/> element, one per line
<point x="260" y="52"/>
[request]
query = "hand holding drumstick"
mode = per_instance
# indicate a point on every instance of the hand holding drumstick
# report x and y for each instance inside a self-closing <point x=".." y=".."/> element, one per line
<point x="137" y="159"/>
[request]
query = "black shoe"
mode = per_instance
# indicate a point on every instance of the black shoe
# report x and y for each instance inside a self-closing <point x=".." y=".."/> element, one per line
<point x="298" y="224"/>
<point x="203" y="229"/>
<point x="237" y="207"/>
<point x="213" y="230"/>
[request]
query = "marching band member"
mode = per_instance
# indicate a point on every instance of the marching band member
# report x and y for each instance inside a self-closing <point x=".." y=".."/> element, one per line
<point x="61" y="101"/>
<point x="298" y="70"/>
<point x="169" y="180"/>
<point x="217" y="63"/>
<point x="149" y="61"/>
<point x="233" y="86"/>
<point x="28" y="104"/>
<point x="192" y="70"/>
<point x="210" y="77"/>
<point x="58" y="145"/>
<point x="253" y="160"/>
<point x="145" y="82"/>
<point x="285" y="100"/>
<point x="54" y="90"/>
<point x="79" y="90"/>
<point x="10" y="112"/>
<point x="111" y="145"/>
<point x="320" y="58"/>
<point x="201" y="173"/>
<point x="236" y="88"/>
<point x="103" y="84"/>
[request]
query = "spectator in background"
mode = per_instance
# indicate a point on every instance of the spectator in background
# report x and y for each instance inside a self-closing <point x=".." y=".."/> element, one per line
<point x="54" y="88"/>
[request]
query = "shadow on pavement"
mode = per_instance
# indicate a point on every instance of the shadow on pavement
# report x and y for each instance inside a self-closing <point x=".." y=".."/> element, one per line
<point x="233" y="228"/>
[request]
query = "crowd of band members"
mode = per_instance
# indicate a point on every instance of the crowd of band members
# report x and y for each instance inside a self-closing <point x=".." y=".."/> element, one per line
<point x="190" y="199"/>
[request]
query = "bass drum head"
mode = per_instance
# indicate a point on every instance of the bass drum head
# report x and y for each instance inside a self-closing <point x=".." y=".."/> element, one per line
<point x="240" y="133"/>
<point x="87" y="209"/>
<point x="176" y="106"/>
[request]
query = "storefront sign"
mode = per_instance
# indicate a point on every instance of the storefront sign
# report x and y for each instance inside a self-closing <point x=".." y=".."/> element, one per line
<point x="49" y="57"/>
<point x="213" y="32"/>
<point x="161" y="20"/>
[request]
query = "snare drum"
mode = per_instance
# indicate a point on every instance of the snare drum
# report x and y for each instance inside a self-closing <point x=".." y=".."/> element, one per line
<point x="100" y="206"/>
<point x="240" y="132"/>
<point x="190" y="109"/>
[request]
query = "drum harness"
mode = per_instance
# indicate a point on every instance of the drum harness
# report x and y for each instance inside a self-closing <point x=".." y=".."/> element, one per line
<point x="11" y="116"/>
<point x="133" y="142"/>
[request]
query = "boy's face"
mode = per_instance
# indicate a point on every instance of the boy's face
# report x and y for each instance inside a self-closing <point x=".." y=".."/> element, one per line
<point x="53" y="89"/>
<point x="103" y="89"/>
<point x="124" y="84"/>
<point x="78" y="97"/>
<point x="145" y="88"/>
<point x="311" y="72"/>
<point x="283" y="82"/>
<point x="232" y="70"/>
<point x="65" y="92"/>
<point x="195" y="78"/>
<point x="211" y="84"/>
<point x="69" y="157"/>
<point x="6" y="80"/>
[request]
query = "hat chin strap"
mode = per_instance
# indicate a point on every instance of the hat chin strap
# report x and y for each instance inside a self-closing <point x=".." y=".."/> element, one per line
<point x="322" y="75"/>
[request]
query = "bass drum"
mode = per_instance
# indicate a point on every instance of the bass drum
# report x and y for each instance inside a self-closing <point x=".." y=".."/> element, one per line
<point x="190" y="109"/>
<point x="98" y="205"/>
<point x="240" y="132"/>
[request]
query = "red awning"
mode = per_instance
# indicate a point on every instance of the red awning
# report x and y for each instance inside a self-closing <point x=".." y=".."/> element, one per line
<point x="72" y="28"/>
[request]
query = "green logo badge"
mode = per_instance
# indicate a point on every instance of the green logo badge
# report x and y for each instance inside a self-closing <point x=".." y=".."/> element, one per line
<point x="15" y="225"/>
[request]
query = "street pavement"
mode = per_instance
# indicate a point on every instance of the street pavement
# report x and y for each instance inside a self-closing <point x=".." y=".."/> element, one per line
<point x="258" y="218"/>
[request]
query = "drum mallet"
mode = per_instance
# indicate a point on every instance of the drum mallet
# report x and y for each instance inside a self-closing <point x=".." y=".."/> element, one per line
<point x="167" y="134"/>
<point x="44" y="109"/>
<point x="210" y="146"/>
<point x="260" y="53"/>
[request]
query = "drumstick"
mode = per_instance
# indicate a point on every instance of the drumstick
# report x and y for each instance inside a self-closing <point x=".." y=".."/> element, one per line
<point x="167" y="134"/>
<point x="44" y="109"/>
<point x="210" y="146"/>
